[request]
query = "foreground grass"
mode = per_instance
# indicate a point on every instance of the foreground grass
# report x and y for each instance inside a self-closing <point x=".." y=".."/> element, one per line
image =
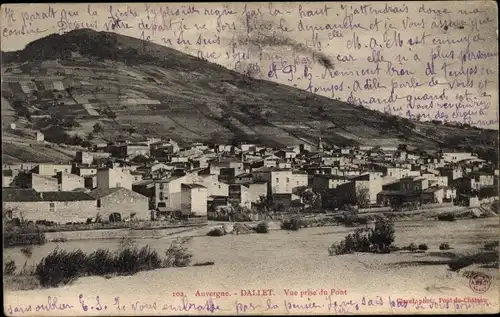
<point x="62" y="267"/>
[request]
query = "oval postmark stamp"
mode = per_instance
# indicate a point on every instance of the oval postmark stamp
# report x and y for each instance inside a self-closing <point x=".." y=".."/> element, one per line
<point x="479" y="282"/>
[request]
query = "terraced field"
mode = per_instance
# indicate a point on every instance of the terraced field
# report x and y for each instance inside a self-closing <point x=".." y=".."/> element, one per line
<point x="122" y="82"/>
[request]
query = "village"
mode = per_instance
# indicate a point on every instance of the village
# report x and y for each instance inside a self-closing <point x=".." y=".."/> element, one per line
<point x="158" y="179"/>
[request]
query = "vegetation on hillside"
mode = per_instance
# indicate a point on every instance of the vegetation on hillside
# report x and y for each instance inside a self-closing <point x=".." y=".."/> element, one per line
<point x="249" y="101"/>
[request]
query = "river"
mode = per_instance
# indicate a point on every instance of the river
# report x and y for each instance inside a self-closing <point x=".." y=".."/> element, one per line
<point x="282" y="259"/>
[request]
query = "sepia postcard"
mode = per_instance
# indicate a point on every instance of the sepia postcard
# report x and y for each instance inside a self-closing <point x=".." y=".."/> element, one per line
<point x="250" y="158"/>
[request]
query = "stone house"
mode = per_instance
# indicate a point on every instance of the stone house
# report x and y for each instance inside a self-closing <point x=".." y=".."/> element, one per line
<point x="69" y="182"/>
<point x="167" y="192"/>
<point x="127" y="203"/>
<point x="84" y="171"/>
<point x="243" y="178"/>
<point x="360" y="190"/>
<point x="414" y="184"/>
<point x="280" y="181"/>
<point x="286" y="201"/>
<point x="42" y="183"/>
<point x="451" y="173"/>
<point x="147" y="188"/>
<point x="482" y="179"/>
<point x="286" y="154"/>
<point x="454" y="157"/>
<point x="235" y="164"/>
<point x="51" y="169"/>
<point x="194" y="199"/>
<point x="255" y="190"/>
<point x="39" y="136"/>
<point x="438" y="194"/>
<point x="114" y="177"/>
<point x="83" y="158"/>
<point x="238" y="194"/>
<point x="212" y="183"/>
<point x="8" y="177"/>
<point x="59" y="207"/>
<point x="322" y="182"/>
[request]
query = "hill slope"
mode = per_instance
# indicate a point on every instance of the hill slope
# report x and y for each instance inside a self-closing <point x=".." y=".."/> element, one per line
<point x="133" y="88"/>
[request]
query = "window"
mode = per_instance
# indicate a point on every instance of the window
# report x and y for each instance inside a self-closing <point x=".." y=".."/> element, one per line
<point x="297" y="182"/>
<point x="55" y="170"/>
<point x="52" y="207"/>
<point x="162" y="186"/>
<point x="277" y="180"/>
<point x="66" y="170"/>
<point x="118" y="184"/>
<point x="219" y="186"/>
<point x="98" y="203"/>
<point x="288" y="180"/>
<point x="162" y="196"/>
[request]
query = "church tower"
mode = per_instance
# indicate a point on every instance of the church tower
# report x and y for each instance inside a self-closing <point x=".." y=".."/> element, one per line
<point x="320" y="145"/>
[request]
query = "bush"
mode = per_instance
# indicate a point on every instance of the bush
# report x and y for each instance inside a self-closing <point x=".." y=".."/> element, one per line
<point x="131" y="261"/>
<point x="262" y="227"/>
<point x="423" y="247"/>
<point x="444" y="246"/>
<point x="24" y="238"/>
<point x="60" y="267"/>
<point x="446" y="217"/>
<point x="27" y="251"/>
<point x="491" y="245"/>
<point x="177" y="255"/>
<point x="216" y="232"/>
<point x="101" y="262"/>
<point x="9" y="267"/>
<point x="412" y="247"/>
<point x="382" y="235"/>
<point x="378" y="239"/>
<point x="292" y="224"/>
<point x="339" y="249"/>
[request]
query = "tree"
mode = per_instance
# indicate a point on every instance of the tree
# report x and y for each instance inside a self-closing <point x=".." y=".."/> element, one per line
<point x="383" y="234"/>
<point x="309" y="197"/>
<point x="263" y="205"/>
<point x="141" y="159"/>
<point x="362" y="196"/>
<point x="131" y="130"/>
<point x="97" y="128"/>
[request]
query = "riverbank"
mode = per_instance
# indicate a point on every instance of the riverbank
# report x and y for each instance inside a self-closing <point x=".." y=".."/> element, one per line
<point x="200" y="229"/>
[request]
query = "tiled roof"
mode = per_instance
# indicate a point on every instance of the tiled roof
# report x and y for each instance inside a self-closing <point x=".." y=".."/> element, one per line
<point x="65" y="196"/>
<point x="144" y="182"/>
<point x="434" y="189"/>
<point x="167" y="180"/>
<point x="102" y="192"/>
<point x="20" y="195"/>
<point x="193" y="185"/>
<point x="271" y="169"/>
<point x="392" y="192"/>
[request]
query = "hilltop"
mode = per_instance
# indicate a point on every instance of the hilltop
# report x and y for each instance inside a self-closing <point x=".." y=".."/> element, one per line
<point x="103" y="86"/>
